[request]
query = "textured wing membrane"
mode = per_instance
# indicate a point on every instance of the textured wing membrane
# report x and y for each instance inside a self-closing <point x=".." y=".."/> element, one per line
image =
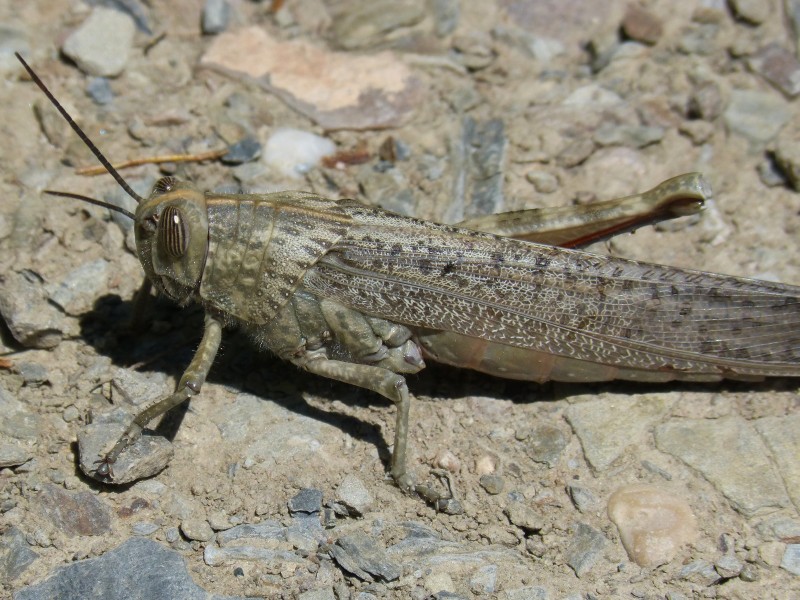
<point x="566" y="303"/>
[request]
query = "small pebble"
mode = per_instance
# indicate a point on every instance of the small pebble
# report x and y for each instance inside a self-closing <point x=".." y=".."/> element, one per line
<point x="99" y="90"/>
<point x="216" y="14"/>
<point x="642" y="25"/>
<point x="292" y="152"/>
<point x="779" y="66"/>
<point x="242" y="151"/>
<point x="447" y="460"/>
<point x="197" y="529"/>
<point x="307" y="501"/>
<point x="493" y="484"/>
<point x="144" y="528"/>
<point x="70" y="414"/>
<point x="354" y="495"/>
<point x="754" y="12"/>
<point x="729" y="566"/>
<point x="543" y="182"/>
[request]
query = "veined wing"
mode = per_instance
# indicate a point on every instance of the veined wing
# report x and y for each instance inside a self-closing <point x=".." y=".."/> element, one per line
<point x="567" y="303"/>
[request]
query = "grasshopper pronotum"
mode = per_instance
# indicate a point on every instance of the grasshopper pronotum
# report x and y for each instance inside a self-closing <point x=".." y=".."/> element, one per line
<point x="362" y="295"/>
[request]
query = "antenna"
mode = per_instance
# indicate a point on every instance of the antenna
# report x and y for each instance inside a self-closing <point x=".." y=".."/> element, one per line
<point x="94" y="201"/>
<point x="85" y="139"/>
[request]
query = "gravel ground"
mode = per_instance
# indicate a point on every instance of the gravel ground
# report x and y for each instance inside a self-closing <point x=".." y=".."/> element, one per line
<point x="277" y="481"/>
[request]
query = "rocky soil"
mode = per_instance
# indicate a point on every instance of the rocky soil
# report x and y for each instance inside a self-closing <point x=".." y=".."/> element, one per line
<point x="276" y="484"/>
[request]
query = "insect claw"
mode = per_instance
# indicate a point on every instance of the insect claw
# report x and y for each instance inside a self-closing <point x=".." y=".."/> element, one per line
<point x="105" y="471"/>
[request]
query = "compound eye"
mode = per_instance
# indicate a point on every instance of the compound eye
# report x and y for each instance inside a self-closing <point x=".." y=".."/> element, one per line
<point x="173" y="235"/>
<point x="164" y="185"/>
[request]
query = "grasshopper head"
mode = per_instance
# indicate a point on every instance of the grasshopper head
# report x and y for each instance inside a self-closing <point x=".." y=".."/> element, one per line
<point x="172" y="237"/>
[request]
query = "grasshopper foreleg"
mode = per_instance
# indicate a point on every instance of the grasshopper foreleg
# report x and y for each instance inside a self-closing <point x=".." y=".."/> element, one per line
<point x="189" y="385"/>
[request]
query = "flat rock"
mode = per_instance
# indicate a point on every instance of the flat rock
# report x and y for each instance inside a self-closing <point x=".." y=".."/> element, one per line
<point x="653" y="524"/>
<point x="585" y="548"/>
<point x="354" y="495"/>
<point x="102" y="44"/>
<point x="31" y="319"/>
<point x="148" y="455"/>
<point x="15" y="555"/>
<point x="360" y="555"/>
<point x="758" y="116"/>
<point x="779" y="66"/>
<point x="381" y="92"/>
<point x="75" y="514"/>
<point x="782" y="437"/>
<point x="607" y="426"/>
<point x="730" y="454"/>
<point x="80" y="288"/>
<point x="139" y="569"/>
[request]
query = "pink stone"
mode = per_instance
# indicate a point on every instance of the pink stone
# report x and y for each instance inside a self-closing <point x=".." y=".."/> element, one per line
<point x="653" y="524"/>
<point x="336" y="89"/>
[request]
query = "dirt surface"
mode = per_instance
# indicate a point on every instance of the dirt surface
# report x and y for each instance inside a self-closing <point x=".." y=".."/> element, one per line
<point x="261" y="430"/>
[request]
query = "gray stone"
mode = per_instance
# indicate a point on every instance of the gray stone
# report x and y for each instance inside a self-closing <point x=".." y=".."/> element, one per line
<point x="729" y="566"/>
<point x="139" y="569"/>
<point x="30" y="318"/>
<point x="33" y="374"/>
<point x="307" y="500"/>
<point x="583" y="498"/>
<point x="99" y="90"/>
<point x="782" y="437"/>
<point x="215" y="556"/>
<point x="18" y="421"/>
<point x="389" y="189"/>
<point x="484" y="580"/>
<point x="631" y="136"/>
<point x="787" y="153"/>
<point x="138" y="388"/>
<point x="148" y="455"/>
<point x="778" y="66"/>
<point x="78" y="290"/>
<point x="752" y="11"/>
<point x="354" y="495"/>
<point x="266" y="530"/>
<point x="243" y="151"/>
<point x="479" y="169"/>
<point x="320" y="594"/>
<point x="445" y="16"/>
<point x="791" y="8"/>
<point x="545" y="444"/>
<point x="706" y="101"/>
<point x="585" y="548"/>
<point x="757" y="116"/>
<point x="607" y="426"/>
<point x="772" y="176"/>
<point x="361" y="25"/>
<point x="699" y="39"/>
<point x="492" y="483"/>
<point x="361" y="556"/>
<point x="15" y="555"/>
<point x="216" y="14"/>
<point x="74" y="514"/>
<point x="197" y="529"/>
<point x="700" y="572"/>
<point x="529" y="593"/>
<point x="791" y="559"/>
<point x="102" y="44"/>
<point x="144" y="528"/>
<point x="524" y="517"/>
<point x="13" y="454"/>
<point x="778" y="528"/>
<point x="543" y="182"/>
<point x="728" y="453"/>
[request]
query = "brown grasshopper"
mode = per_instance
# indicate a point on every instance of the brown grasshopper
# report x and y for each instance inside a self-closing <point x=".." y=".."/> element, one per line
<point x="364" y="296"/>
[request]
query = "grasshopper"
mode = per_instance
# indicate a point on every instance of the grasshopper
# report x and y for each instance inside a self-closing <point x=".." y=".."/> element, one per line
<point x="364" y="296"/>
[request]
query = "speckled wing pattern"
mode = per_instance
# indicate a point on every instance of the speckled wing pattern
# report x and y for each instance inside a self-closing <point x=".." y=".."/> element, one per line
<point x="566" y="303"/>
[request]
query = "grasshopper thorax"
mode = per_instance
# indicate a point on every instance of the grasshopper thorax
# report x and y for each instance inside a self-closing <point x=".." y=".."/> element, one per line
<point x="172" y="237"/>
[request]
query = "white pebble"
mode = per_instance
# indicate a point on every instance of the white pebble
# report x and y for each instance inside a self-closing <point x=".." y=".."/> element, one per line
<point x="292" y="152"/>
